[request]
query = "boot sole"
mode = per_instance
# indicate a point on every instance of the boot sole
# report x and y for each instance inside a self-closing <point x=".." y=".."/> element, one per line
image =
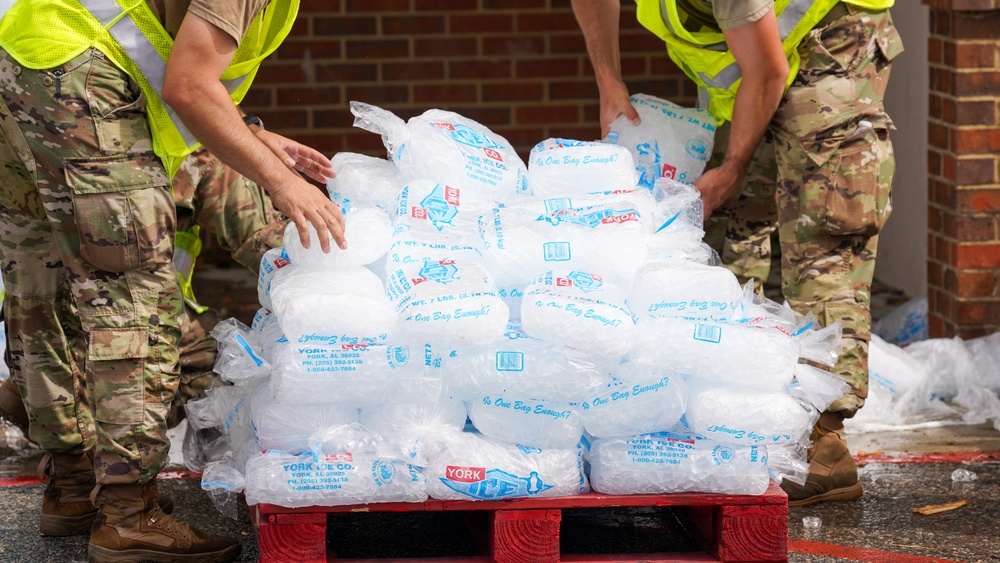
<point x="844" y="493"/>
<point x="97" y="554"/>
<point x="62" y="526"/>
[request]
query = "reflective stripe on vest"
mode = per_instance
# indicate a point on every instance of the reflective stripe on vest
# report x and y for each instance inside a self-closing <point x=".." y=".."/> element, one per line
<point x="187" y="247"/>
<point x="725" y="78"/>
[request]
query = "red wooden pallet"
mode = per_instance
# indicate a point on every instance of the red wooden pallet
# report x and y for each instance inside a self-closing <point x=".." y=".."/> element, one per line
<point x="732" y="527"/>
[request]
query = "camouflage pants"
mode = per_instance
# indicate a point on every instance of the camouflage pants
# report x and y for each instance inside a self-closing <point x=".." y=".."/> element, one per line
<point x="822" y="179"/>
<point x="87" y="222"/>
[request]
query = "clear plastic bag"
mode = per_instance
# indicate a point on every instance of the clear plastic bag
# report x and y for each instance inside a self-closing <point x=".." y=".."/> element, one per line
<point x="368" y="232"/>
<point x="642" y="398"/>
<point x="364" y="180"/>
<point x="559" y="167"/>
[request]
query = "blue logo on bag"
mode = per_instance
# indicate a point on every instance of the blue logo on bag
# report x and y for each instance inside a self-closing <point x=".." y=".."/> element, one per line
<point x="498" y="484"/>
<point x="723" y="455"/>
<point x="584" y="281"/>
<point x="697" y="149"/>
<point x="383" y="472"/>
<point x="441" y="271"/>
<point x="439" y="207"/>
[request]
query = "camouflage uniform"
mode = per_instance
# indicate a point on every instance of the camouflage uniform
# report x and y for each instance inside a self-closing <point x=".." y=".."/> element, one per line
<point x="245" y="223"/>
<point x="86" y="218"/>
<point x="822" y="179"/>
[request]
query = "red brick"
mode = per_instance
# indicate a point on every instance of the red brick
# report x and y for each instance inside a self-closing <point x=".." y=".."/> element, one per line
<point x="312" y="48"/>
<point x="977" y="255"/>
<point x="976" y="312"/>
<point x="935" y="274"/>
<point x="412" y="25"/>
<point x="940" y="22"/>
<point x="975" y="141"/>
<point x="319" y="6"/>
<point x="981" y="200"/>
<point x="549" y="114"/>
<point x="284" y="119"/>
<point x="430" y="70"/>
<point x="333" y="119"/>
<point x="941" y="193"/>
<point x="964" y="55"/>
<point x="491" y="117"/>
<point x="345" y="25"/>
<point x="935" y="324"/>
<point x="976" y="84"/>
<point x="547" y="21"/>
<point x="380" y="94"/>
<point x="942" y="250"/>
<point x="938" y="135"/>
<point x="579" y="133"/>
<point x="573" y="44"/>
<point x="479" y="69"/>
<point x="934" y="220"/>
<point x="346" y="72"/>
<point x="668" y="89"/>
<point x="378" y="6"/>
<point x="513" y="4"/>
<point x="445" y="5"/>
<point x="972" y="228"/>
<point x="935" y="50"/>
<point x="446" y="47"/>
<point x="641" y="42"/>
<point x="933" y="163"/>
<point x="258" y="96"/>
<point x="973" y="4"/>
<point x="974" y="113"/>
<point x="444" y="93"/>
<point x="316" y="95"/>
<point x="548" y="68"/>
<point x="972" y="171"/>
<point x="661" y="65"/>
<point x="942" y="80"/>
<point x="975" y="25"/>
<point x="975" y="283"/>
<point x="481" y="23"/>
<point x="271" y="73"/>
<point x="970" y="332"/>
<point x="516" y="91"/>
<point x="513" y="45"/>
<point x="574" y="90"/>
<point x="378" y="48"/>
<point x="323" y="142"/>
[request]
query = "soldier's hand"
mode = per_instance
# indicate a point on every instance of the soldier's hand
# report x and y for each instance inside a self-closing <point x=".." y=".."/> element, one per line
<point x="615" y="102"/>
<point x="305" y="204"/>
<point x="716" y="185"/>
<point x="297" y="156"/>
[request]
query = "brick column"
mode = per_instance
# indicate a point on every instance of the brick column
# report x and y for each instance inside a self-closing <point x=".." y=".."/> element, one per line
<point x="964" y="185"/>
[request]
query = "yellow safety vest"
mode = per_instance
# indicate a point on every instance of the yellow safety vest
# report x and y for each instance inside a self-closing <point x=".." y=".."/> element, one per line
<point x="187" y="247"/>
<point x="705" y="58"/>
<point x="43" y="34"/>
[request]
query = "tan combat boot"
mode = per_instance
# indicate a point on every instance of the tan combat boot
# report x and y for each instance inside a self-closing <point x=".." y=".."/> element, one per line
<point x="66" y="506"/>
<point x="832" y="475"/>
<point x="131" y="526"/>
<point x="11" y="405"/>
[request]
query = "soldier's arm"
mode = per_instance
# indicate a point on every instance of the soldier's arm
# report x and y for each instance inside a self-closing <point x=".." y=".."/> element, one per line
<point x="599" y="21"/>
<point x="192" y="88"/>
<point x="757" y="48"/>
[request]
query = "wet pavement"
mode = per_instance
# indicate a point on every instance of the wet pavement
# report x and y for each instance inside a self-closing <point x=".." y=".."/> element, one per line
<point x="899" y="471"/>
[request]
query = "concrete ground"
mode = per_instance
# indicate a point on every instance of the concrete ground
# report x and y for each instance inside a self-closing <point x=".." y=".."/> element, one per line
<point x="900" y="471"/>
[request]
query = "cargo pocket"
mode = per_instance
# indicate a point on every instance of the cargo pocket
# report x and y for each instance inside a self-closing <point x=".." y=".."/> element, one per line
<point x="117" y="358"/>
<point x="858" y="182"/>
<point x="124" y="213"/>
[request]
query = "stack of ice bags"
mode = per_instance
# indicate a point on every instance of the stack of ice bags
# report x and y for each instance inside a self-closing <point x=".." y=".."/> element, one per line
<point x="496" y="330"/>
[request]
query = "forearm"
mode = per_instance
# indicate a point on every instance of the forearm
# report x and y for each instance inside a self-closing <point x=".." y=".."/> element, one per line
<point x="599" y="20"/>
<point x="756" y="102"/>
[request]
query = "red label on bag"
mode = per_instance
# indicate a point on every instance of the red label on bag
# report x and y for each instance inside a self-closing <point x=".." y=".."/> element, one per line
<point x="465" y="474"/>
<point x="668" y="171"/>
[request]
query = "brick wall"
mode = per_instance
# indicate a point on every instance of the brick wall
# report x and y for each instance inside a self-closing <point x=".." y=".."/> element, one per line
<point x="964" y="186"/>
<point x="517" y="66"/>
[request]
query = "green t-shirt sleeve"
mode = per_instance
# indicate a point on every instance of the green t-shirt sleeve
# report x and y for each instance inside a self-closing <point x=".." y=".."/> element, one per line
<point x="735" y="13"/>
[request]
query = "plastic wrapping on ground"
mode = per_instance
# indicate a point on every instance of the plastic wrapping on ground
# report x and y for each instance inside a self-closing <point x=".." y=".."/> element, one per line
<point x="526" y="366"/>
<point x="223" y="482"/>
<point x="676" y="463"/>
<point x="560" y="167"/>
<point x="905" y="324"/>
<point x="670" y="141"/>
<point x="580" y="310"/>
<point x="470" y="466"/>
<point x="367" y="230"/>
<point x="641" y="398"/>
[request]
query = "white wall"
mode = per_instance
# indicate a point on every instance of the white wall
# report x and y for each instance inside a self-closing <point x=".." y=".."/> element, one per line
<point x="902" y="253"/>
